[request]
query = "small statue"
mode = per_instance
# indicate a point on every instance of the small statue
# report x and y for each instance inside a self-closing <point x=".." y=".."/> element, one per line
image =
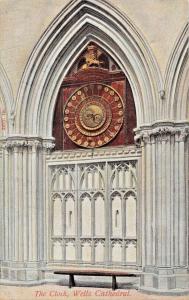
<point x="90" y="59"/>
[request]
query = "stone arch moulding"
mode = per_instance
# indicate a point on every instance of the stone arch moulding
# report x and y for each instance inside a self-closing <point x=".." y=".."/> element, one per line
<point x="6" y="100"/>
<point x="177" y="78"/>
<point x="79" y="23"/>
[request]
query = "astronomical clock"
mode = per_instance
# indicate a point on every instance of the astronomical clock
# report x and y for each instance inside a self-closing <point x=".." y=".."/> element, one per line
<point x="95" y="106"/>
<point x="92" y="179"/>
<point x="93" y="115"/>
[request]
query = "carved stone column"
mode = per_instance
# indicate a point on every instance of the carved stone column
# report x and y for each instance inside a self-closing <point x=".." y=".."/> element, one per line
<point x="23" y="208"/>
<point x="164" y="197"/>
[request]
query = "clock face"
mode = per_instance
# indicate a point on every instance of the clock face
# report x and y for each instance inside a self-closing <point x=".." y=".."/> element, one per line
<point x="93" y="115"/>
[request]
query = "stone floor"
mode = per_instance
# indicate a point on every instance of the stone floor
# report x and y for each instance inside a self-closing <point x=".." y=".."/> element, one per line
<point x="52" y="291"/>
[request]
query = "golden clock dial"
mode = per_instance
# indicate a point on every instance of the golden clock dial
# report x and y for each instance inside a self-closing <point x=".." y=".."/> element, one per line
<point x="92" y="116"/>
<point x="95" y="116"/>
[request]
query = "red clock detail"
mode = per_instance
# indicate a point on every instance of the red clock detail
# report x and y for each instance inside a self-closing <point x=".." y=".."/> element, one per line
<point x="93" y="115"/>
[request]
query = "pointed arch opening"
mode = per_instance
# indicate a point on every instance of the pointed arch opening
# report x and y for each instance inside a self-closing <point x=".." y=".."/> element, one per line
<point x="63" y="42"/>
<point x="95" y="105"/>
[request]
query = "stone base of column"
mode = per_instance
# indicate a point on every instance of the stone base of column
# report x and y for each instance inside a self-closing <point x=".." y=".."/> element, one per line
<point x="165" y="281"/>
<point x="21" y="272"/>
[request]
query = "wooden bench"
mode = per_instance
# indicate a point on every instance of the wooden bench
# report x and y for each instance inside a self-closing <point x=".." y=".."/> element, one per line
<point x="89" y="272"/>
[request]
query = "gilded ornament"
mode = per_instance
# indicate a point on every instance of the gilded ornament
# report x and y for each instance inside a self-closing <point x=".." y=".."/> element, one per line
<point x="92" y="116"/>
<point x="112" y="133"/>
<point x="106" y="139"/>
<point x="91" y="58"/>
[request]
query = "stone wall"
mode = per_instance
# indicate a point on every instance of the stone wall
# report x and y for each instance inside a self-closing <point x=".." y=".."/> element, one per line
<point x="24" y="22"/>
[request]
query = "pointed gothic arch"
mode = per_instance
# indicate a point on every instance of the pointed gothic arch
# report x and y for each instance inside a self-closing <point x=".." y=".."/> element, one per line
<point x="177" y="78"/>
<point x="6" y="103"/>
<point x="64" y="40"/>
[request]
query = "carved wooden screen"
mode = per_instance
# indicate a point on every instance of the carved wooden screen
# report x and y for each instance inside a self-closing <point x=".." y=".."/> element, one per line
<point x="93" y="213"/>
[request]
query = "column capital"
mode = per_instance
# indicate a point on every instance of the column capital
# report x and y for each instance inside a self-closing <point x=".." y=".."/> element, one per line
<point x="162" y="132"/>
<point x="48" y="145"/>
<point x="182" y="135"/>
<point x="32" y="143"/>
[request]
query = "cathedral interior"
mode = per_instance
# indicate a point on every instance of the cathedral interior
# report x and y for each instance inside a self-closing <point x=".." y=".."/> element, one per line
<point x="94" y="146"/>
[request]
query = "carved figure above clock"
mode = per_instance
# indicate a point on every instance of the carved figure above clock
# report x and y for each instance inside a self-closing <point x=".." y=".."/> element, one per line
<point x="95" y="105"/>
